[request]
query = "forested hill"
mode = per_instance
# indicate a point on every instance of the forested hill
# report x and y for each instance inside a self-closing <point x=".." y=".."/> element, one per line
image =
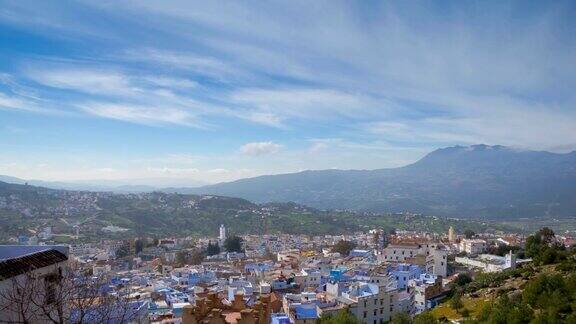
<point x="476" y="181"/>
<point x="27" y="209"/>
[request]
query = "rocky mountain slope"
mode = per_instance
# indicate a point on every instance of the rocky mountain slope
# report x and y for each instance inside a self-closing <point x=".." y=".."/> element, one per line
<point x="476" y="181"/>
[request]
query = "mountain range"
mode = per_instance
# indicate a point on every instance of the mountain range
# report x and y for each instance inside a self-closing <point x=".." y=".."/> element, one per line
<point x="27" y="210"/>
<point x="118" y="186"/>
<point x="478" y="181"/>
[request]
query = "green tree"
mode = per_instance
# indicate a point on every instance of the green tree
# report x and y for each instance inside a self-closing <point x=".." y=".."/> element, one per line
<point x="138" y="246"/>
<point x="344" y="247"/>
<point x="401" y="318"/>
<point x="123" y="251"/>
<point x="342" y="317"/>
<point x="547" y="291"/>
<point x="469" y="234"/>
<point x="233" y="244"/>
<point x="424" y="318"/>
<point x="462" y="279"/>
<point x="212" y="249"/>
<point x="196" y="257"/>
<point x="181" y="258"/>
<point x="456" y="301"/>
<point x="269" y="255"/>
<point x="542" y="248"/>
<point x="546" y="234"/>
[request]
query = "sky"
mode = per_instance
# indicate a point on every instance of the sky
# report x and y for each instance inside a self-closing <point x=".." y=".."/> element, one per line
<point x="211" y="91"/>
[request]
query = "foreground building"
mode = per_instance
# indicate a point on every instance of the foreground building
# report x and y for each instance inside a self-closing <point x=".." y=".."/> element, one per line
<point x="29" y="277"/>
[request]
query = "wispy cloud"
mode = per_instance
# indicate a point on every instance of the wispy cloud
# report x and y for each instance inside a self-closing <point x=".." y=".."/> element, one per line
<point x="382" y="80"/>
<point x="320" y="104"/>
<point x="150" y="115"/>
<point x="9" y="102"/>
<point x="260" y="148"/>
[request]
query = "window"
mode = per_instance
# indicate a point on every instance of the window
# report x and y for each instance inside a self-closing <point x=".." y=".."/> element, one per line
<point x="365" y="314"/>
<point x="50" y="284"/>
<point x="374" y="312"/>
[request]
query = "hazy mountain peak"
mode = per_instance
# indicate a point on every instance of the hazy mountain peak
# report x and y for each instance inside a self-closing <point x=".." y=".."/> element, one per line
<point x="476" y="180"/>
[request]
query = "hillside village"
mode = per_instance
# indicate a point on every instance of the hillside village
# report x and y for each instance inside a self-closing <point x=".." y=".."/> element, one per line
<point x="363" y="277"/>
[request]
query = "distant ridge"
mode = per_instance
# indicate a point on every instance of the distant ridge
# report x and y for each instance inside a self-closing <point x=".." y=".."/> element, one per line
<point x="119" y="186"/>
<point x="465" y="181"/>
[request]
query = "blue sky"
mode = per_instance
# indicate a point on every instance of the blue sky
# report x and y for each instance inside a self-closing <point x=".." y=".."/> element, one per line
<point x="212" y="91"/>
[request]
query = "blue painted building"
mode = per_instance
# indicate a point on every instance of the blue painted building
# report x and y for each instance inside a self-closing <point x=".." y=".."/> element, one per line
<point x="403" y="272"/>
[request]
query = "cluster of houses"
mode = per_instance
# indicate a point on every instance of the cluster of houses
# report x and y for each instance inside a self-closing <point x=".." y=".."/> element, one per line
<point x="278" y="279"/>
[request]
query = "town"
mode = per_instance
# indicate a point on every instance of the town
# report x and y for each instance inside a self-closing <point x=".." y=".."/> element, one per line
<point x="373" y="276"/>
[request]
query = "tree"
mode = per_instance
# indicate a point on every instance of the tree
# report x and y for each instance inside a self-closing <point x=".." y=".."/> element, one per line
<point x="502" y="250"/>
<point x="469" y="234"/>
<point x="401" y="318"/>
<point x="269" y="255"/>
<point x="462" y="279"/>
<point x="181" y="258"/>
<point x="424" y="318"/>
<point x="343" y="247"/>
<point x="456" y="301"/>
<point x="196" y="257"/>
<point x="546" y="234"/>
<point x="233" y="244"/>
<point x="542" y="248"/>
<point x="342" y="317"/>
<point x="506" y="310"/>
<point x="123" y="251"/>
<point x="138" y="246"/>
<point x="212" y="249"/>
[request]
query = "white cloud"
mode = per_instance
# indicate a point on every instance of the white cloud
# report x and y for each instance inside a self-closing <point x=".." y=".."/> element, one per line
<point x="318" y="147"/>
<point x="264" y="118"/>
<point x="149" y="115"/>
<point x="92" y="81"/>
<point x="170" y="82"/>
<point x="187" y="61"/>
<point x="260" y="148"/>
<point x="11" y="102"/>
<point x="401" y="75"/>
<point x="304" y="103"/>
<point x="173" y="171"/>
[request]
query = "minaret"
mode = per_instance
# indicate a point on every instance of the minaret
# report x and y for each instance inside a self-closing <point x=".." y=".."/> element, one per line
<point x="451" y="234"/>
<point x="222" y="236"/>
<point x="510" y="260"/>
